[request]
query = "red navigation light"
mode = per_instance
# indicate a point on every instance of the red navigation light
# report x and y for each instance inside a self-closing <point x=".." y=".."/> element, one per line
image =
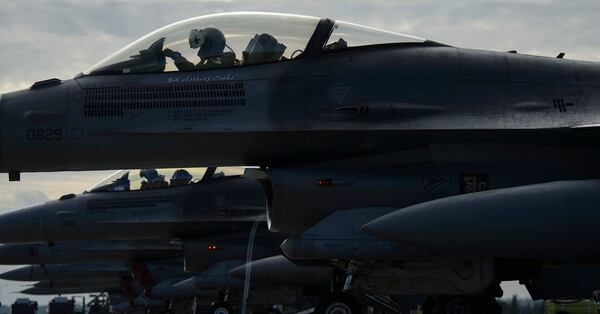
<point x="324" y="182"/>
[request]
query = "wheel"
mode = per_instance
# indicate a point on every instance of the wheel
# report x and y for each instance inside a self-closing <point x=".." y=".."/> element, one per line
<point x="221" y="308"/>
<point x="338" y="303"/>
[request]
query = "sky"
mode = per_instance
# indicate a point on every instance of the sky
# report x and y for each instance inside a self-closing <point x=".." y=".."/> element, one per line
<point x="60" y="38"/>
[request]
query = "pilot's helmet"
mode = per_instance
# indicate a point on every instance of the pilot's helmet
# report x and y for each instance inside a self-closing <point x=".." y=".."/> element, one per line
<point x="210" y="40"/>
<point x="149" y="174"/>
<point x="181" y="177"/>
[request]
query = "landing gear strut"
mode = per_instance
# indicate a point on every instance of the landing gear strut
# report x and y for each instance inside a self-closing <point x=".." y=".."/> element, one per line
<point x="222" y="306"/>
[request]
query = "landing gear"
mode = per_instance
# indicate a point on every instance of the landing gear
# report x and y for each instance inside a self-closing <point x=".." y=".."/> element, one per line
<point x="221" y="307"/>
<point x="338" y="303"/>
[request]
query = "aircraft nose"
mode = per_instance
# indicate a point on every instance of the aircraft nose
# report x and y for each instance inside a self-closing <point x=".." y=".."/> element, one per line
<point x="18" y="254"/>
<point x="26" y="273"/>
<point x="23" y="225"/>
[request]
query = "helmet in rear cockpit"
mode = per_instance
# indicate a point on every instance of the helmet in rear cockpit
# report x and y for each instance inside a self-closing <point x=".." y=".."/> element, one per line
<point x="149" y="174"/>
<point x="210" y="40"/>
<point x="181" y="177"/>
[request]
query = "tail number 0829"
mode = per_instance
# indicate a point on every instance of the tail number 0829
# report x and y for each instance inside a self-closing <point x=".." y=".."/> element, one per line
<point x="44" y="134"/>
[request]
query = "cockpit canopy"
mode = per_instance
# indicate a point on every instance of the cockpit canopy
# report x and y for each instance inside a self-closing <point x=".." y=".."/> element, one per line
<point x="235" y="39"/>
<point x="147" y="179"/>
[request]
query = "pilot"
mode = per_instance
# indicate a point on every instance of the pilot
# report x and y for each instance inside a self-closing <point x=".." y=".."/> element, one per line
<point x="153" y="179"/>
<point x="211" y="45"/>
<point x="181" y="177"/>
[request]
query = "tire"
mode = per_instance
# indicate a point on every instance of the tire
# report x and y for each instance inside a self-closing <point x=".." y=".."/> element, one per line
<point x="338" y="303"/>
<point x="221" y="308"/>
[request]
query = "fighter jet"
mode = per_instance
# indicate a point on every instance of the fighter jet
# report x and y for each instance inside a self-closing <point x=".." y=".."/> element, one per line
<point x="355" y="129"/>
<point x="240" y="89"/>
<point x="144" y="204"/>
<point x="87" y="251"/>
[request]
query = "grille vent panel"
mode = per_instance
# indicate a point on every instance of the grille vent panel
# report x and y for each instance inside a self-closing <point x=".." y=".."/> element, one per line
<point x="117" y="101"/>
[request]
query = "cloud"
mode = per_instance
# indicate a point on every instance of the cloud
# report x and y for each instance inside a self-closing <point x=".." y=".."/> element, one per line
<point x="21" y="198"/>
<point x="14" y="195"/>
<point x="43" y="39"/>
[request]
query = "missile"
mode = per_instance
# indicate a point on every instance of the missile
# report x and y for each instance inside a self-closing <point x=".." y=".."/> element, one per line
<point x="287" y="272"/>
<point x="555" y="220"/>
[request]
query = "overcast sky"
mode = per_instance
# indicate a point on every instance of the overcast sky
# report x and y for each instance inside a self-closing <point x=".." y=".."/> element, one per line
<point x="60" y="38"/>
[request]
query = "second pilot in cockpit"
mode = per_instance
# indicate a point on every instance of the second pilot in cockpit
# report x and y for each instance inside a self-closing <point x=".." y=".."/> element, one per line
<point x="211" y="44"/>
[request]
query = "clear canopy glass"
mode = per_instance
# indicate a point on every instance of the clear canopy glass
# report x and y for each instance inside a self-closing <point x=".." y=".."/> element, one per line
<point x="345" y="35"/>
<point x="219" y="40"/>
<point x="145" y="179"/>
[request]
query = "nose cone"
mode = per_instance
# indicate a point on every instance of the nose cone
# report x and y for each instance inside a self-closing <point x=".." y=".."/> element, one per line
<point x="26" y="273"/>
<point x="19" y="254"/>
<point x="23" y="225"/>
